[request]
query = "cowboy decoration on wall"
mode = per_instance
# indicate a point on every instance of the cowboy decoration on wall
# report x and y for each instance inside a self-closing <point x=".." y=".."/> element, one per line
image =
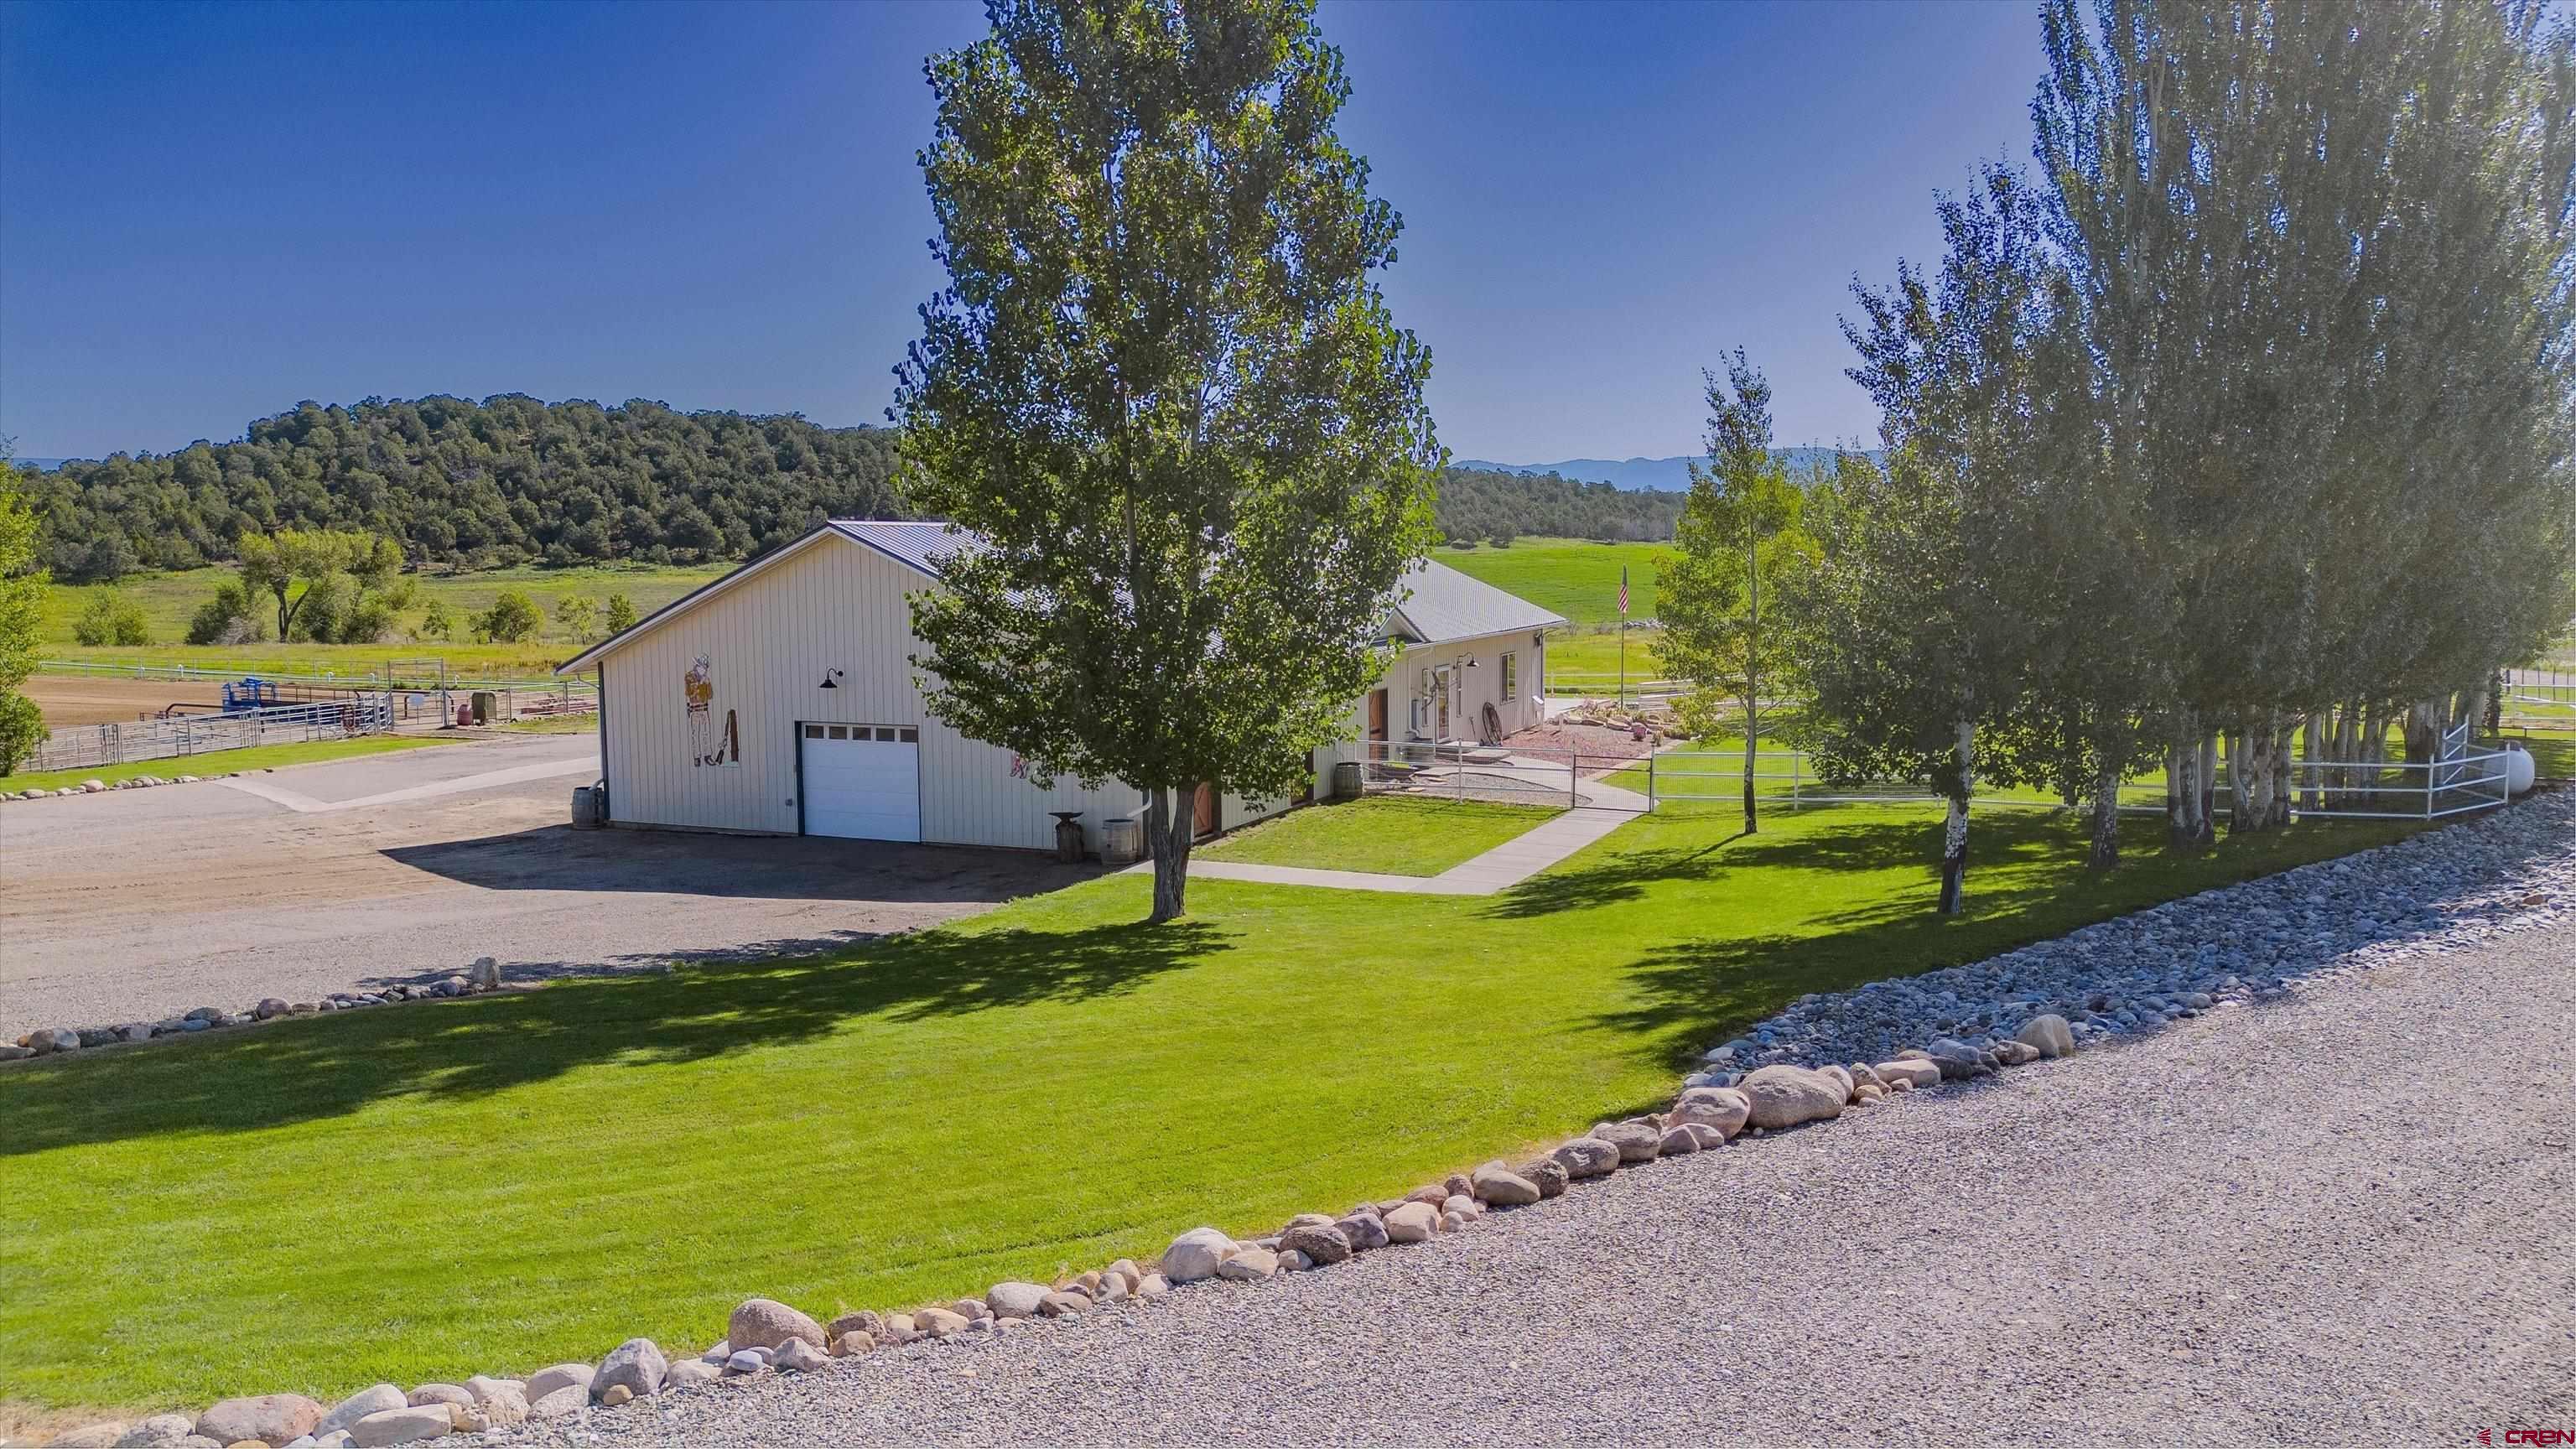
<point x="707" y="746"/>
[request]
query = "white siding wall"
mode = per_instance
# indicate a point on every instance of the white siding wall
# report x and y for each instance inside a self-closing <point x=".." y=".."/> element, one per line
<point x="836" y="605"/>
<point x="1475" y="688"/>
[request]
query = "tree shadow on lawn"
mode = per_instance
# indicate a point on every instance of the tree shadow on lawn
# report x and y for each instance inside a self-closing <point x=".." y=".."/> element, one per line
<point x="1853" y="844"/>
<point x="307" y="1068"/>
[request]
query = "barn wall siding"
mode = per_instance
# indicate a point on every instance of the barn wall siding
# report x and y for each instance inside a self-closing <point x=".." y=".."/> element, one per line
<point x="836" y="605"/>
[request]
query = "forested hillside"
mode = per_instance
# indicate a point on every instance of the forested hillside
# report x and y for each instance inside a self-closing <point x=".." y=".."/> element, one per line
<point x="463" y="484"/>
<point x="1478" y="504"/>
<point x="512" y="480"/>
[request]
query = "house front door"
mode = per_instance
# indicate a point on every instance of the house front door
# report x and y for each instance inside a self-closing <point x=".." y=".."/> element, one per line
<point x="1440" y="690"/>
<point x="1377" y="716"/>
<point x="1203" y="816"/>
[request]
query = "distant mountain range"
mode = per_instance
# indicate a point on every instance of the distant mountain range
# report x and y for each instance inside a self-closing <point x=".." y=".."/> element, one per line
<point x="1660" y="475"/>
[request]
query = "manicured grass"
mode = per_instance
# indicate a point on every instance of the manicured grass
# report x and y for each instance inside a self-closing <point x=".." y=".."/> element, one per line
<point x="1385" y="834"/>
<point x="168" y="599"/>
<point x="490" y="1185"/>
<point x="224" y="762"/>
<point x="1586" y="662"/>
<point x="1577" y="579"/>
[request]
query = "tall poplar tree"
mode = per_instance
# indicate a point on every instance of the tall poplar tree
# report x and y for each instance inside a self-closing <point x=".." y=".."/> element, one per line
<point x="1163" y="400"/>
<point x="1740" y="537"/>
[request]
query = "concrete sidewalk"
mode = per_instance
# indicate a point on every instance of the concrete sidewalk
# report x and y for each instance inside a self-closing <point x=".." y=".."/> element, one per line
<point x="1499" y="869"/>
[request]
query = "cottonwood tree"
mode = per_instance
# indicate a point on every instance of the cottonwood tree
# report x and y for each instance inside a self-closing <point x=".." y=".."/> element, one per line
<point x="295" y="566"/>
<point x="1163" y="401"/>
<point x="1740" y="537"/>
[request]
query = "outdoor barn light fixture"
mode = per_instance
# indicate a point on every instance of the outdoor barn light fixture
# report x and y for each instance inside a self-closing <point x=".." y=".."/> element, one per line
<point x="830" y="675"/>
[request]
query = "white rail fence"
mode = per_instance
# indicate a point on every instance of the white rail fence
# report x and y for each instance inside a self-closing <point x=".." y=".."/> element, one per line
<point x="2466" y="778"/>
<point x="82" y="747"/>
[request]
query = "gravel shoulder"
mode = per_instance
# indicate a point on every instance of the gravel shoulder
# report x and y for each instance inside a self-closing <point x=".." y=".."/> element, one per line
<point x="2332" y="1217"/>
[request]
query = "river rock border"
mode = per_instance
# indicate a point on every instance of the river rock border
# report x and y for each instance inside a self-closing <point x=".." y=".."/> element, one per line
<point x="101" y="787"/>
<point x="1715" y="1108"/>
<point x="483" y="976"/>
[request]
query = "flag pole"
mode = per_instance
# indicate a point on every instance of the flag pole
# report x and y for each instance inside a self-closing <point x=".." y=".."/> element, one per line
<point x="1623" y="636"/>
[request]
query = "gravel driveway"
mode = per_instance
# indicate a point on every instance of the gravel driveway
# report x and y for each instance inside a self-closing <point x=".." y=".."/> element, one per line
<point x="2336" y="1217"/>
<point x="138" y="904"/>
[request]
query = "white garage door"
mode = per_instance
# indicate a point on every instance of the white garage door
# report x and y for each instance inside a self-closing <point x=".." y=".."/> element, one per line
<point x="862" y="782"/>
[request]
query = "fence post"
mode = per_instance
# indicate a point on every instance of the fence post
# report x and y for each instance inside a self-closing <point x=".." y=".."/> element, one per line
<point x="1650" y="777"/>
<point x="1573" y="779"/>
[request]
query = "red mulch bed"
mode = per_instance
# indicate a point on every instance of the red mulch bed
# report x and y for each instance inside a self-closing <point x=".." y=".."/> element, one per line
<point x="1613" y="746"/>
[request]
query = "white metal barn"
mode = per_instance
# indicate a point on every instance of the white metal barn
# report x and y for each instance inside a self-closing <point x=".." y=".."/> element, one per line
<point x="779" y="700"/>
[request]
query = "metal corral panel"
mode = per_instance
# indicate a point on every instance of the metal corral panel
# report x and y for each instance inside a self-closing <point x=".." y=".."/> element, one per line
<point x="704" y="711"/>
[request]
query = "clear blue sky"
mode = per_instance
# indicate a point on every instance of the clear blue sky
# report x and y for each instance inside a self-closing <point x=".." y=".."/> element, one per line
<point x="208" y="213"/>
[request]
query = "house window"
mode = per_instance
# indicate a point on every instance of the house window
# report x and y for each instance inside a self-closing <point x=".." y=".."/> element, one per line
<point x="1511" y="676"/>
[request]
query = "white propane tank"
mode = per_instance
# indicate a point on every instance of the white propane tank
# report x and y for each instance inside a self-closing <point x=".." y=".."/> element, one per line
<point x="2520" y="770"/>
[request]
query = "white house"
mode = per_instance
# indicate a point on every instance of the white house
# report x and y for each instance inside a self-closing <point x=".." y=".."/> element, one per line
<point x="780" y="700"/>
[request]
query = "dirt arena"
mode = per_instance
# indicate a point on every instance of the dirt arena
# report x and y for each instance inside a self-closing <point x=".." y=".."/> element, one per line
<point x="73" y="699"/>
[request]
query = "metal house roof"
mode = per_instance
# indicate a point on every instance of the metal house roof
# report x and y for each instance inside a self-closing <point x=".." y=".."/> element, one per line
<point x="1439" y="603"/>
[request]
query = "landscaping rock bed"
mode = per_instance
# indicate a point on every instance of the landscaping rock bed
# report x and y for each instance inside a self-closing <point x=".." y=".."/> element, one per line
<point x="2442" y="890"/>
<point x="100" y="787"/>
<point x="483" y="976"/>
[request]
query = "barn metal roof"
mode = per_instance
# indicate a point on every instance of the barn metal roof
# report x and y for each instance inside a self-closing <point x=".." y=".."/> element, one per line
<point x="1439" y="603"/>
<point x="1442" y="604"/>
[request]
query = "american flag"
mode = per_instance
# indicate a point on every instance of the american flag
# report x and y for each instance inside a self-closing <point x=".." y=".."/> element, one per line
<point x="1623" y="591"/>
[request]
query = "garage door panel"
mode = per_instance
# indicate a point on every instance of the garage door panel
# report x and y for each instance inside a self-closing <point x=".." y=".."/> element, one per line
<point x="863" y="788"/>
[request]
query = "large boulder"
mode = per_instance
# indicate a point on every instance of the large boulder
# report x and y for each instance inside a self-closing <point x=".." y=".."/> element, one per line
<point x="1319" y="1244"/>
<point x="1723" y="1108"/>
<point x="269" y="1418"/>
<point x="637" y="1365"/>
<point x="1956" y="1059"/>
<point x="545" y="1383"/>
<point x="400" y="1426"/>
<point x="1784" y="1096"/>
<point x="1414" y="1222"/>
<point x="1195" y="1255"/>
<point x="1587" y="1157"/>
<point x="1248" y="1265"/>
<point x="1547" y="1175"/>
<point x="1365" y="1231"/>
<point x="1500" y="1186"/>
<point x="1913" y="1072"/>
<point x="760" y="1323"/>
<point x="2048" y="1035"/>
<point x="359" y="1405"/>
<point x="1015" y="1299"/>
<point x="801" y="1357"/>
<point x="502" y="1402"/>
<point x="1840" y="1078"/>
<point x="1635" y="1141"/>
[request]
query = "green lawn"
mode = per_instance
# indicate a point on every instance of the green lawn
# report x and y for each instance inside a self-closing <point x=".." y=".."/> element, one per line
<point x="1587" y="661"/>
<point x="490" y="1185"/>
<point x="1569" y="575"/>
<point x="1386" y="834"/>
<point x="168" y="599"/>
<point x="223" y="762"/>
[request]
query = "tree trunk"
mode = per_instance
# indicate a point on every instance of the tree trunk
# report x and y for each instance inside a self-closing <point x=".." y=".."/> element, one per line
<point x="2182" y="788"/>
<point x="1169" y="840"/>
<point x="1752" y="742"/>
<point x="2105" y="853"/>
<point x="2240" y="803"/>
<point x="1954" y="830"/>
<point x="2284" y="778"/>
<point x="2205" y="832"/>
<point x="2312" y="731"/>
